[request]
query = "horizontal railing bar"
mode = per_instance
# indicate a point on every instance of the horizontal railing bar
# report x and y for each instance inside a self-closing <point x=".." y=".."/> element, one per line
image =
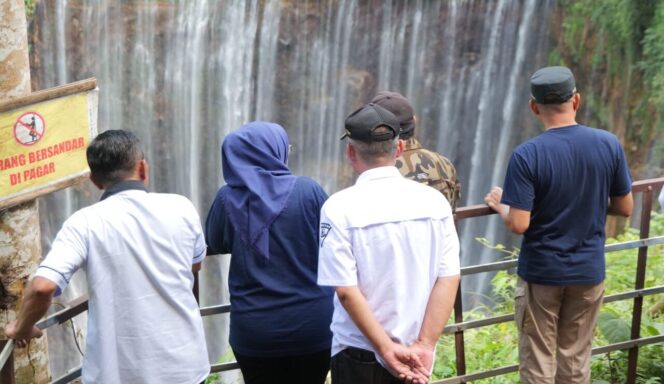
<point x="633" y="294"/>
<point x="514" y="368"/>
<point x="68" y="377"/>
<point x="224" y="367"/>
<point x="484" y="210"/>
<point x="634" y="244"/>
<point x="479" y="375"/>
<point x="628" y="344"/>
<point x="473" y="211"/>
<point x="507" y="264"/>
<point x="458" y="379"/>
<point x="489" y="267"/>
<point x="225" y="308"/>
<point x="6" y="353"/>
<point x="642" y="185"/>
<point x="466" y="325"/>
<point x="79" y="304"/>
<point x="74" y="308"/>
<point x="215" y="309"/>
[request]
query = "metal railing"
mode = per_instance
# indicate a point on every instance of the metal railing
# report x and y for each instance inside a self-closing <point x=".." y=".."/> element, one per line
<point x="645" y="187"/>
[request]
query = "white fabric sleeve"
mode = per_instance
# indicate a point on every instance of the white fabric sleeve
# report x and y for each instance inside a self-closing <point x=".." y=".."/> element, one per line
<point x="200" y="248"/>
<point x="449" y="260"/>
<point x="68" y="252"/>
<point x="336" y="262"/>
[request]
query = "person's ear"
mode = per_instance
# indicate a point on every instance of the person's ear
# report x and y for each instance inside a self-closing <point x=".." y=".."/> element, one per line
<point x="534" y="107"/>
<point x="351" y="154"/>
<point x="143" y="171"/>
<point x="96" y="182"/>
<point x="400" y="147"/>
<point x="576" y="101"/>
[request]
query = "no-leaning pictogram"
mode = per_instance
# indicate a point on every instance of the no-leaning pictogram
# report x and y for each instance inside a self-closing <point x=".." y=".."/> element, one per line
<point x="29" y="128"/>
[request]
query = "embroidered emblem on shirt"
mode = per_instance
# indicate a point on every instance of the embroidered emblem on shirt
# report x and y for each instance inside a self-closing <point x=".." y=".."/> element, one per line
<point x="324" y="230"/>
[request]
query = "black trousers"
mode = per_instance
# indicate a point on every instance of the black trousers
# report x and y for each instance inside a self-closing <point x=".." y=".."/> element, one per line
<point x="301" y="369"/>
<point x="355" y="366"/>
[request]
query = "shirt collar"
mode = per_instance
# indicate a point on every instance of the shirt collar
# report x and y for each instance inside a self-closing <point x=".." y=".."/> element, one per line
<point x="378" y="173"/>
<point x="122" y="186"/>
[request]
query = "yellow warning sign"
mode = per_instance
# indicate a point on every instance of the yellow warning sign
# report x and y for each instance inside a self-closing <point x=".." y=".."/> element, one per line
<point x="42" y="145"/>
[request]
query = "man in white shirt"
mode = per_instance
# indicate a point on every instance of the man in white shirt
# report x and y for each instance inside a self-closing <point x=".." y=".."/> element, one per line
<point x="138" y="250"/>
<point x="389" y="246"/>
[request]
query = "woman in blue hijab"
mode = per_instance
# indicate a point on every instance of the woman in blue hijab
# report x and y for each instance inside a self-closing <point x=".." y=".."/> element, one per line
<point x="267" y="219"/>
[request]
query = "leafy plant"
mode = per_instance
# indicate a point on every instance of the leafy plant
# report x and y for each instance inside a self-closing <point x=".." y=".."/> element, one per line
<point x="215" y="378"/>
<point x="30" y="6"/>
<point x="615" y="49"/>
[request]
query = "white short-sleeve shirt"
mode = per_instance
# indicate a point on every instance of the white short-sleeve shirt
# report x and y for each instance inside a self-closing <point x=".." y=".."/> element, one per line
<point x="137" y="249"/>
<point x="392" y="238"/>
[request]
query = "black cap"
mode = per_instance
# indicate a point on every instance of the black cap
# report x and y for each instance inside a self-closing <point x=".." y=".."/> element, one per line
<point x="552" y="85"/>
<point x="361" y="124"/>
<point x="399" y="106"/>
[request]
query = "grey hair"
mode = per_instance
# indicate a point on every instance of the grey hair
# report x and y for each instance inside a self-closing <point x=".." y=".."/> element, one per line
<point x="373" y="152"/>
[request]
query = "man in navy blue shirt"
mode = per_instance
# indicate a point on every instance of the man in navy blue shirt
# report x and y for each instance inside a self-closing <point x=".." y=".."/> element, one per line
<point x="558" y="190"/>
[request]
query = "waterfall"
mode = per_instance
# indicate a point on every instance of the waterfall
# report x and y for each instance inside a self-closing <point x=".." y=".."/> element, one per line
<point x="183" y="74"/>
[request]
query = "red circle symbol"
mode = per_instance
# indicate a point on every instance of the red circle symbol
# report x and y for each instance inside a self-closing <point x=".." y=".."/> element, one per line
<point x="29" y="128"/>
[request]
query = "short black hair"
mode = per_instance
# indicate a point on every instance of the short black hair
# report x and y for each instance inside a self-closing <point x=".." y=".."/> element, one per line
<point x="113" y="155"/>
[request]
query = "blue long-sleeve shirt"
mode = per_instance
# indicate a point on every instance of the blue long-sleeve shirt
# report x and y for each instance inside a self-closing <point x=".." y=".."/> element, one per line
<point x="277" y="308"/>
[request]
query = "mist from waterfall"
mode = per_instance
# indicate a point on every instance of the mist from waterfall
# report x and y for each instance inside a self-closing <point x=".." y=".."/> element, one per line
<point x="183" y="74"/>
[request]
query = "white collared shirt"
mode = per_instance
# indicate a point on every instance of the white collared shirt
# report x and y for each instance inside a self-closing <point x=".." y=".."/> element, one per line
<point x="391" y="237"/>
<point x="137" y="249"/>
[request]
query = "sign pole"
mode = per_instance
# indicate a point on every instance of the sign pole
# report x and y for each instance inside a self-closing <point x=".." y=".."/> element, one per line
<point x="20" y="244"/>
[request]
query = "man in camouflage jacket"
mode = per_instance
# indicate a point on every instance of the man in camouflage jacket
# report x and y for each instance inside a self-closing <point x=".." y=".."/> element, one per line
<point x="417" y="163"/>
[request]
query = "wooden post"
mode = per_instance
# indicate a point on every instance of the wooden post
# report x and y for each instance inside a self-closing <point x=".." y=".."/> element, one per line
<point x="20" y="246"/>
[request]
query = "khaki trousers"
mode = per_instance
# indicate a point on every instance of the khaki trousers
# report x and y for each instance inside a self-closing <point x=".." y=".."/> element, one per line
<point x="556" y="325"/>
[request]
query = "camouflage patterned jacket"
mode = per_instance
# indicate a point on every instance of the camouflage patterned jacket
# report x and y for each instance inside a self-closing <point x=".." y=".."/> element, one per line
<point x="424" y="166"/>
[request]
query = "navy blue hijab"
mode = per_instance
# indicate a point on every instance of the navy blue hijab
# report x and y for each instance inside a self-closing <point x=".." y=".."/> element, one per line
<point x="253" y="159"/>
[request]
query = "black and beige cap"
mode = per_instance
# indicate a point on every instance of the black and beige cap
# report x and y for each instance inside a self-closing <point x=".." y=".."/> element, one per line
<point x="399" y="106"/>
<point x="361" y="124"/>
<point x="552" y="85"/>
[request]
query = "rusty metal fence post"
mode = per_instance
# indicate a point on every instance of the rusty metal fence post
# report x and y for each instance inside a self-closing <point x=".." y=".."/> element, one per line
<point x="7" y="371"/>
<point x="458" y="335"/>
<point x="644" y="233"/>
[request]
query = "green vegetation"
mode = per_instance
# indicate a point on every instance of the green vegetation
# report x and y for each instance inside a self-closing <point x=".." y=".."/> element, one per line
<point x="496" y="346"/>
<point x="215" y="378"/>
<point x="615" y="48"/>
<point x="30" y="6"/>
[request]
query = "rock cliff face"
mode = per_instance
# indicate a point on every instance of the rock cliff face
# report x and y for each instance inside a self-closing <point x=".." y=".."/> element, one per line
<point x="616" y="49"/>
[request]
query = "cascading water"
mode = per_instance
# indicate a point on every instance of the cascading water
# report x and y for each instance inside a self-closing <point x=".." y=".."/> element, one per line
<point x="183" y="74"/>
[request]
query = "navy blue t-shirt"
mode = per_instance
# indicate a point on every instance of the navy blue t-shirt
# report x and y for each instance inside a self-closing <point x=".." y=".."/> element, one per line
<point x="277" y="308"/>
<point x="565" y="177"/>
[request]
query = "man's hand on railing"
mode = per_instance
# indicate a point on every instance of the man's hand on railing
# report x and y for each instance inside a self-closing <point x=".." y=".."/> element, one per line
<point x="21" y="337"/>
<point x="36" y="301"/>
